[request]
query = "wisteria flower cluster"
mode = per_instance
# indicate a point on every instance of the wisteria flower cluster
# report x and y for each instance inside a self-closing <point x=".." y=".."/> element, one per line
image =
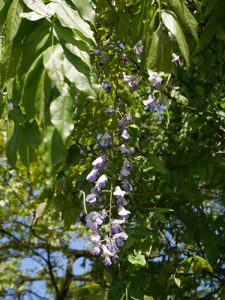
<point x="106" y="242"/>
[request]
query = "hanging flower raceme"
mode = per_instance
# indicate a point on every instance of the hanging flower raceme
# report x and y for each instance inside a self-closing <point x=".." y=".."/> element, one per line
<point x="107" y="242"/>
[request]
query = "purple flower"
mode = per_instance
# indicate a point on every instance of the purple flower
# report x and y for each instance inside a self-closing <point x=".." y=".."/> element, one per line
<point x="92" y="225"/>
<point x="107" y="261"/>
<point x="138" y="48"/>
<point x="95" y="238"/>
<point x="96" y="251"/>
<point x="92" y="176"/>
<point x="176" y="59"/>
<point x="121" y="44"/>
<point x="104" y="139"/>
<point x="101" y="182"/>
<point x="103" y="214"/>
<point x="122" y="212"/>
<point x="95" y="190"/>
<point x="125" y="135"/>
<point x="127" y="186"/>
<point x="149" y="103"/>
<point x="107" y="86"/>
<point x="119" y="196"/>
<point x="93" y="219"/>
<point x="110" y="110"/>
<point x="126" y="150"/>
<point x="118" y="221"/>
<point x="118" y="192"/>
<point x="98" y="162"/>
<point x="122" y="124"/>
<point x="116" y="228"/>
<point x="128" y="117"/>
<point x="106" y="251"/>
<point x="155" y="79"/>
<point x="119" y="242"/>
<point x="121" y="201"/>
<point x="124" y="172"/>
<point x="132" y="80"/>
<point x="124" y="58"/>
<point x="122" y="235"/>
<point x="91" y="198"/>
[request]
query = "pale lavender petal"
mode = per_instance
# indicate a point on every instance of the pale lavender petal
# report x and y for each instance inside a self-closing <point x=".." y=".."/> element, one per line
<point x="107" y="261"/>
<point x="125" y="135"/>
<point x="123" y="212"/>
<point x="91" y="198"/>
<point x="96" y="251"/>
<point x="92" y="176"/>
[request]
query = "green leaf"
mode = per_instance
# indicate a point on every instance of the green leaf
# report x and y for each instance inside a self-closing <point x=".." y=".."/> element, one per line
<point x="160" y="55"/>
<point x="200" y="264"/>
<point x="85" y="8"/>
<point x="62" y="114"/>
<point x="26" y="152"/>
<point x="39" y="8"/>
<point x="70" y="18"/>
<point x="78" y="74"/>
<point x="12" y="147"/>
<point x="32" y="16"/>
<point x="40" y="210"/>
<point x="137" y="258"/>
<point x="157" y="163"/>
<point x="53" y="63"/>
<point x="173" y="26"/>
<point x="208" y="33"/>
<point x="32" y="134"/>
<point x="73" y="43"/>
<point x="31" y="90"/>
<point x="108" y="277"/>
<point x="185" y="16"/>
<point x="177" y="281"/>
<point x="56" y="153"/>
<point x="13" y="19"/>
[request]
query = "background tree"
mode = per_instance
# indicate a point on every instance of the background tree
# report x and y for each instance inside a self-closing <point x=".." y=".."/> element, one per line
<point x="55" y="56"/>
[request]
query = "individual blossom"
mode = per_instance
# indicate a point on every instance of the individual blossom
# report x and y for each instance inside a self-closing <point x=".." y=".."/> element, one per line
<point x="91" y="198"/>
<point x="110" y="110"/>
<point x="120" y="237"/>
<point x="125" y="171"/>
<point x="126" y="185"/>
<point x="128" y="117"/>
<point x="123" y="212"/>
<point x="107" y="87"/>
<point x="104" y="140"/>
<point x="124" y="58"/>
<point x="95" y="239"/>
<point x="92" y="176"/>
<point x="126" y="150"/>
<point x="118" y="192"/>
<point x="132" y="80"/>
<point x="176" y="59"/>
<point x="99" y="162"/>
<point x="155" y="79"/>
<point x="125" y="135"/>
<point x="101" y="182"/>
<point x="149" y="103"/>
<point x="116" y="228"/>
<point x="107" y="261"/>
<point x="138" y="48"/>
<point x="96" y="251"/>
<point x="121" y="45"/>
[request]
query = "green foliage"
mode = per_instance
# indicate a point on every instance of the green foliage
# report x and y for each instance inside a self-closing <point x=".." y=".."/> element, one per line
<point x="54" y="57"/>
